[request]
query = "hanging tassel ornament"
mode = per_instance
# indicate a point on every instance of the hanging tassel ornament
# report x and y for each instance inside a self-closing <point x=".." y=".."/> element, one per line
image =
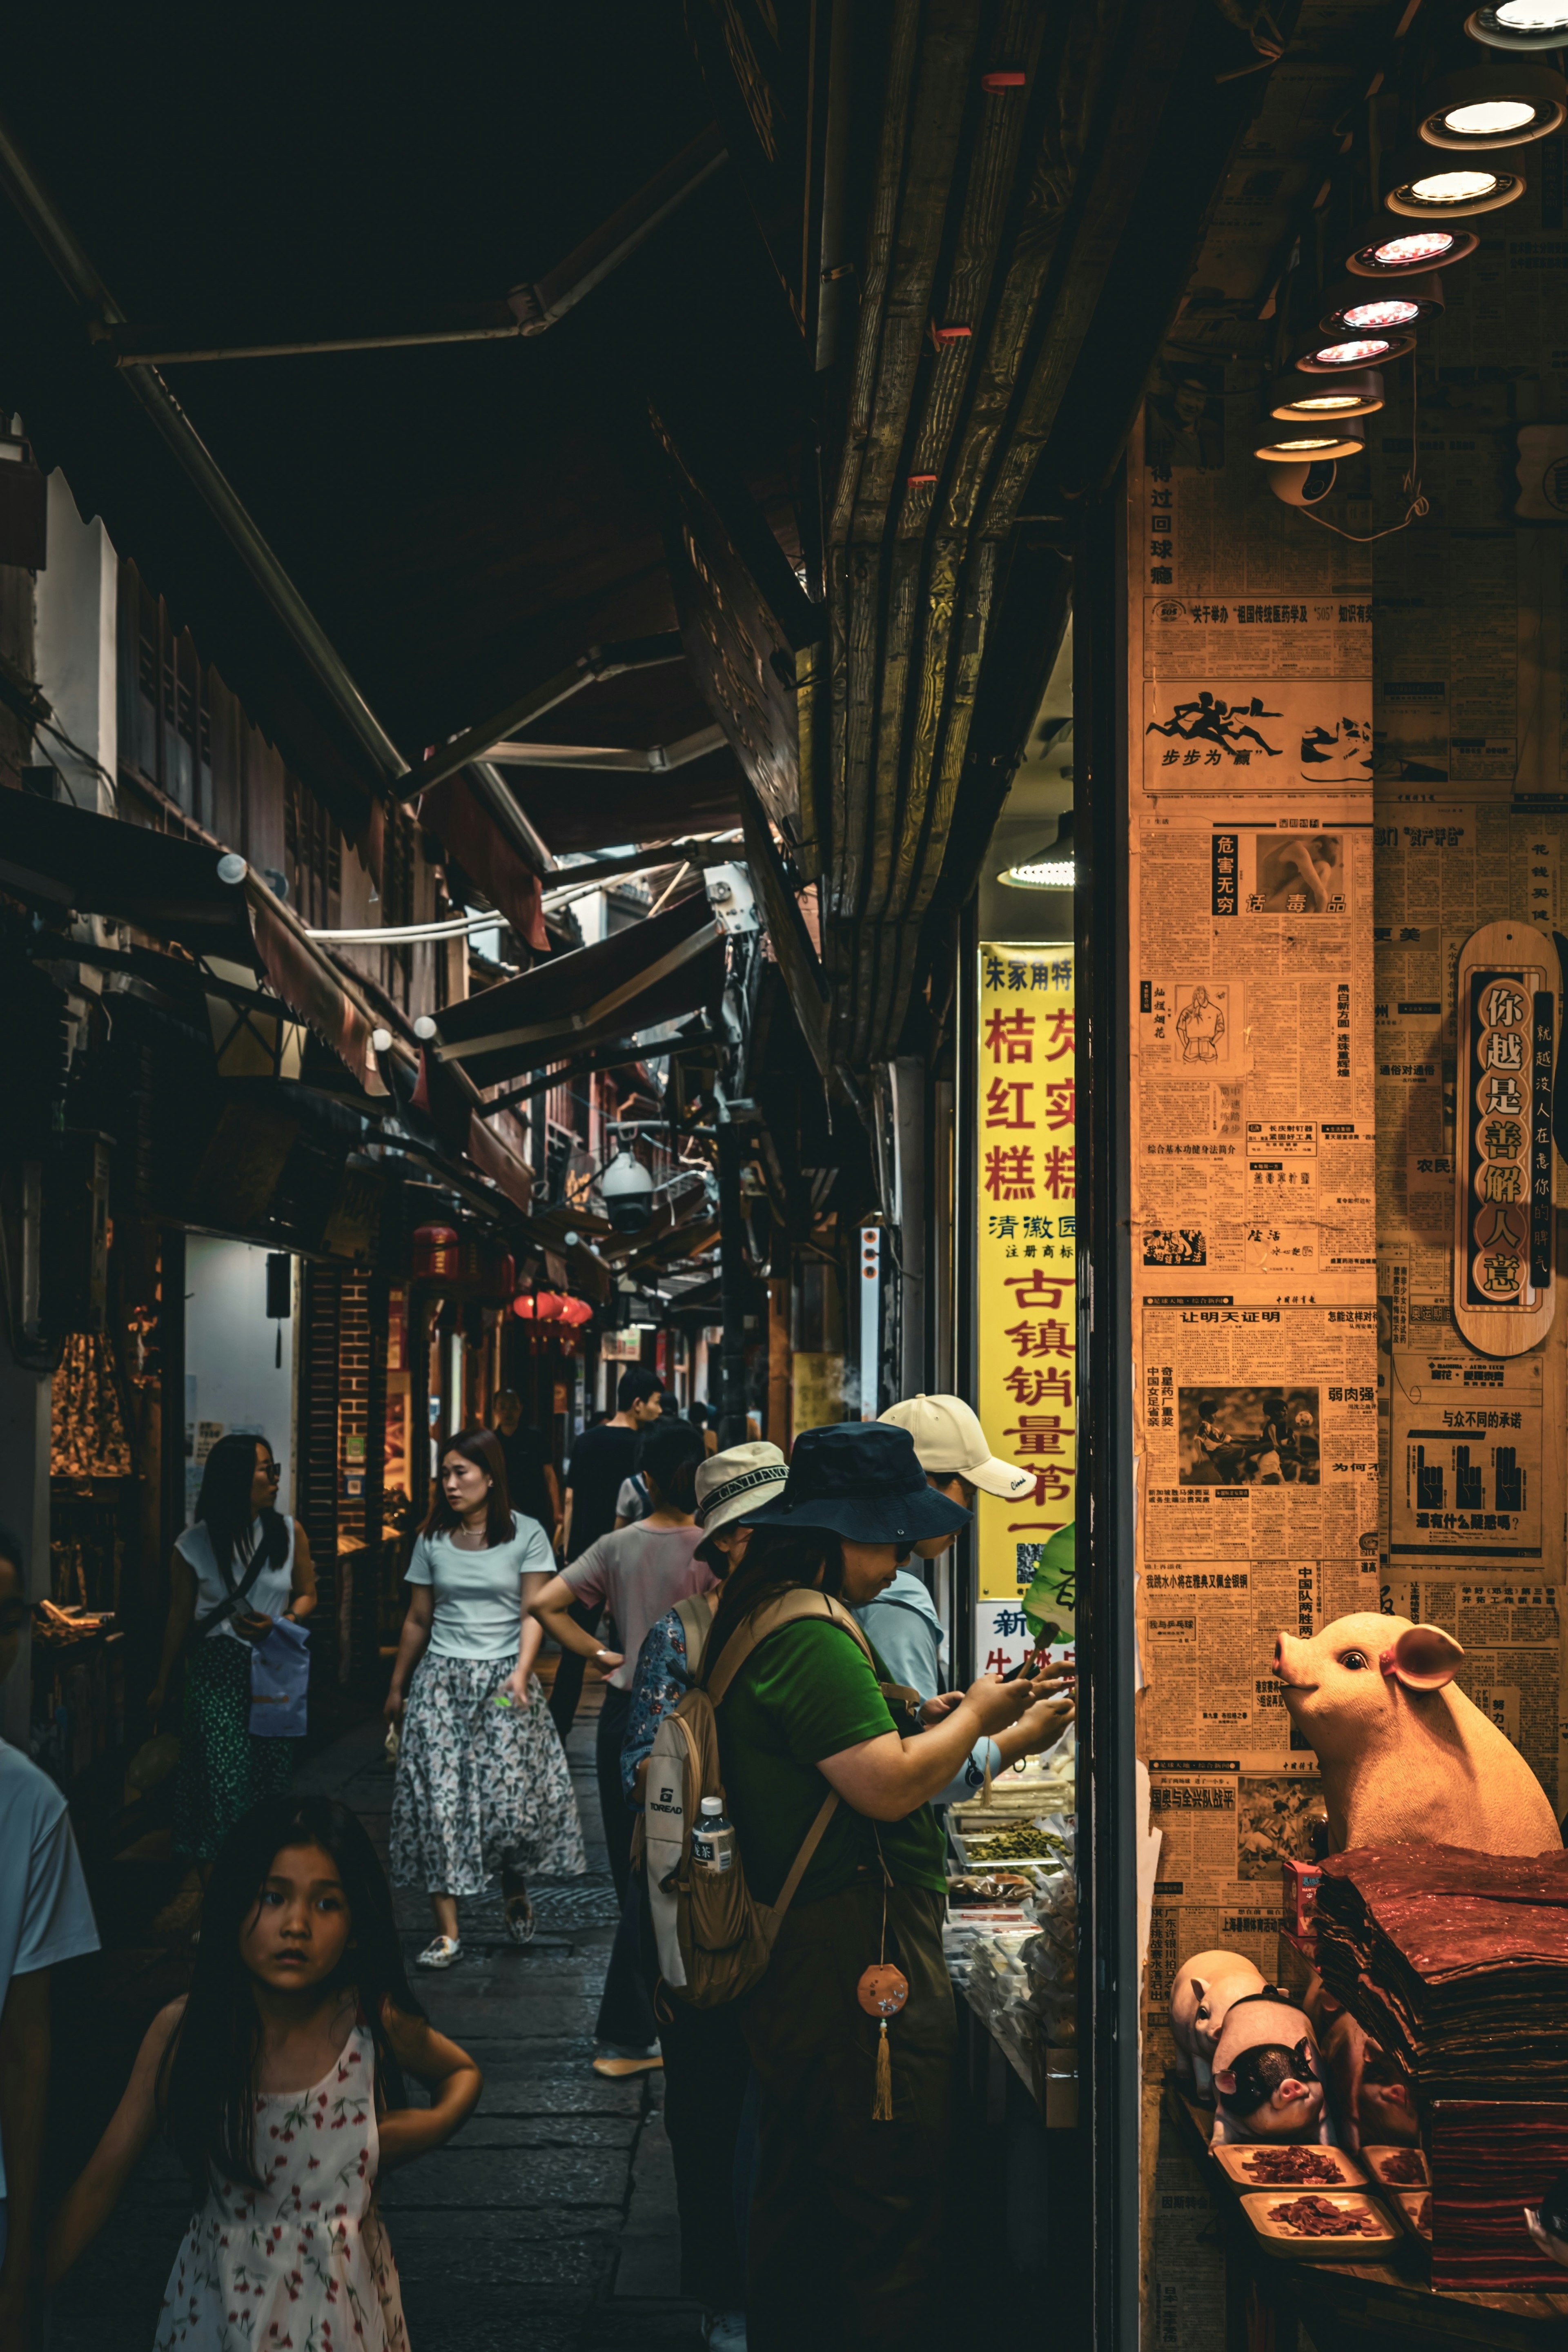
<point x="882" y="1992"/>
<point x="882" y="2105"/>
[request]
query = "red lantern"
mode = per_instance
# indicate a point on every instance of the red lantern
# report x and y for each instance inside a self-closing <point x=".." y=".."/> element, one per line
<point x="577" y="1312"/>
<point x="437" y="1253"/>
<point x="549" y="1307"/>
<point x="522" y="1305"/>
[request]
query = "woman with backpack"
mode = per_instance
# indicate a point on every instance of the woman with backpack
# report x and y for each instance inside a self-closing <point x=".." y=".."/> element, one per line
<point x="242" y="1564"/>
<point x="845" y="2250"/>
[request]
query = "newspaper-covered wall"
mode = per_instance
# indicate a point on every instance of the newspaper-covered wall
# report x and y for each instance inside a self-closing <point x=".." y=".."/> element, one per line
<point x="1254" y="1162"/>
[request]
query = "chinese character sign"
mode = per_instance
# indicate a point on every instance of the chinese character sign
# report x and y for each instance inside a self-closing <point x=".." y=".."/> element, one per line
<point x="1503" y="1274"/>
<point x="1027" y="1264"/>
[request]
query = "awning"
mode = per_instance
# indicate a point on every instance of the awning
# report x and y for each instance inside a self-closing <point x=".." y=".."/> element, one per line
<point x="668" y="965"/>
<point x="478" y="837"/>
<point x="177" y="889"/>
<point x="592" y="812"/>
<point x="83" y="863"/>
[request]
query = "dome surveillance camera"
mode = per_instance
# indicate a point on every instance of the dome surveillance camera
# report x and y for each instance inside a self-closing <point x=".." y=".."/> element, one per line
<point x="1303" y="486"/>
<point x="627" y="1189"/>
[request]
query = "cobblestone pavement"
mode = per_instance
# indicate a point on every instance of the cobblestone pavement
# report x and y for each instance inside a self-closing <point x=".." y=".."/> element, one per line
<point x="548" y="2224"/>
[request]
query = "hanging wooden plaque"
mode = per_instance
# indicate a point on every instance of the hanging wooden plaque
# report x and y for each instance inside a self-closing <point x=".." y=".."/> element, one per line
<point x="1504" y="1287"/>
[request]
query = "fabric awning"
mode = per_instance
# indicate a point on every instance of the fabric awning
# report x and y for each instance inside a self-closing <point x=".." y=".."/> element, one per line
<point x="475" y="837"/>
<point x="89" y="864"/>
<point x="668" y="965"/>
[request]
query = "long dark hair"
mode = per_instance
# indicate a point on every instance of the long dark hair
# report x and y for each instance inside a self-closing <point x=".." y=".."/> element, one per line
<point x="223" y="1506"/>
<point x="206" y="2088"/>
<point x="484" y="1447"/>
<point x="668" y="1457"/>
<point x="777" y="1559"/>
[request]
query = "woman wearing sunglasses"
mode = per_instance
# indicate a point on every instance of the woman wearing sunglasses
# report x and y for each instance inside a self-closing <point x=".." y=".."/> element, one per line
<point x="243" y="1564"/>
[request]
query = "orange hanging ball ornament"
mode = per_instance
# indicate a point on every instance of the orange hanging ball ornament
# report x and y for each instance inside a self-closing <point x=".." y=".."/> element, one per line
<point x="882" y="1990"/>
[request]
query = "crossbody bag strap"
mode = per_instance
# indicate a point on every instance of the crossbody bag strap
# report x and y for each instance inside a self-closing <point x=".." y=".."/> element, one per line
<point x="789" y="1608"/>
<point x="236" y="1592"/>
<point x="696" y="1619"/>
<point x="775" y="1912"/>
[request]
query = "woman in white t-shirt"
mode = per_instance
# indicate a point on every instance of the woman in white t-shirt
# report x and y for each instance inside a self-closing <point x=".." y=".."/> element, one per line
<point x="242" y="1564"/>
<point x="482" y="1784"/>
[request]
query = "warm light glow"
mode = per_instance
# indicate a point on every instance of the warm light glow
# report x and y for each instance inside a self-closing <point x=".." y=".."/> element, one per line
<point x="1350" y="354"/>
<point x="1362" y="315"/>
<point x="1486" y="118"/>
<point x="1453" y="187"/>
<point x="1308" y="441"/>
<point x="1405" y="252"/>
<point x="1532" y="16"/>
<point x="1327" y="400"/>
<point x="1042" y="874"/>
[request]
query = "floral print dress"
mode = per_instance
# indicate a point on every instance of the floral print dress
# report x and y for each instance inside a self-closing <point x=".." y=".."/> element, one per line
<point x="302" y="2264"/>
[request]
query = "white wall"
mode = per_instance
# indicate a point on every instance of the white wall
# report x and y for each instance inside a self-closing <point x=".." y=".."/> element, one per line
<point x="76" y="637"/>
<point x="230" y="1375"/>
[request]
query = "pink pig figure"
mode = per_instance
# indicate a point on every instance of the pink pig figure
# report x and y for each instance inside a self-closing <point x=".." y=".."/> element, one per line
<point x="1406" y="1759"/>
<point x="1204" y="1989"/>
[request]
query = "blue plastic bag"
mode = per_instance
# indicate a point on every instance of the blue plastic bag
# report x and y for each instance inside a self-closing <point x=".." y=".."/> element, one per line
<point x="280" y="1679"/>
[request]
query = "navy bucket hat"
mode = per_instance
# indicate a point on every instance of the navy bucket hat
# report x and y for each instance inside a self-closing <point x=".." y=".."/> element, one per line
<point x="860" y="1480"/>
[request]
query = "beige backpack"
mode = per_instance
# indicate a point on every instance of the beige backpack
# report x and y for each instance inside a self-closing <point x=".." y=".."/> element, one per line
<point x="714" y="1937"/>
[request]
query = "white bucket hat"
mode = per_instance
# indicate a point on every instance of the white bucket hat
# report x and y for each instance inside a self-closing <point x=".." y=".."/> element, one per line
<point x="731" y="1485"/>
<point x="950" y="1443"/>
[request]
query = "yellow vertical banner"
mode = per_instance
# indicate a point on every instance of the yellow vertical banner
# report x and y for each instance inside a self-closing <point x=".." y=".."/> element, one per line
<point x="1026" y="1255"/>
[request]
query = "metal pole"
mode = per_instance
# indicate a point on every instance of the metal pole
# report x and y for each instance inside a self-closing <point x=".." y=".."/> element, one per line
<point x="732" y="1262"/>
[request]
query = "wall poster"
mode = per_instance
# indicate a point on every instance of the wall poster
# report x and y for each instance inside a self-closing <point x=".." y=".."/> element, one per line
<point x="1026" y="1256"/>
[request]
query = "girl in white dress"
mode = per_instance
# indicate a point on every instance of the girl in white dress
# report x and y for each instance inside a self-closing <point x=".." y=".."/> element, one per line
<point x="279" y="2081"/>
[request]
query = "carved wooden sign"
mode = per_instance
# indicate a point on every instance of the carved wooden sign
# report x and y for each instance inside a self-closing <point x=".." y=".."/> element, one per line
<point x="1504" y="1286"/>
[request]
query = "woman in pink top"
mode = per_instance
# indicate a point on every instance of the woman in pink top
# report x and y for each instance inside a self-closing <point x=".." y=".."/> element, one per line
<point x="637" y="1575"/>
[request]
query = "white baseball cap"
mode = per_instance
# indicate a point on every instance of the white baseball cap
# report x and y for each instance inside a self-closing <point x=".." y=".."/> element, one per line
<point x="737" y="1482"/>
<point x="950" y="1443"/>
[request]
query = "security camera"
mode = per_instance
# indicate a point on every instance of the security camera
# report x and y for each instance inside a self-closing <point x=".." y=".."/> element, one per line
<point x="1303" y="486"/>
<point x="628" y="1189"/>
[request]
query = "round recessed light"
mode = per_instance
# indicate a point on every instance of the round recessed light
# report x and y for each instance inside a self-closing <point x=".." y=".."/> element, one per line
<point x="1417" y="252"/>
<point x="1520" y="25"/>
<point x="1301" y="399"/>
<point x="1353" y="311"/>
<point x="1355" y="352"/>
<point x="1458" y="194"/>
<point x="1494" y="105"/>
<point x="1305" y="448"/>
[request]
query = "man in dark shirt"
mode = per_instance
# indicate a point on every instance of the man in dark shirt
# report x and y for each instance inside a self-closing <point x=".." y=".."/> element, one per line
<point x="601" y="1459"/>
<point x="530" y="1474"/>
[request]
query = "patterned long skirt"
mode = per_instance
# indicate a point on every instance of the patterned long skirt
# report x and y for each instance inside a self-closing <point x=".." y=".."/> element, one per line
<point x="224" y="1770"/>
<point x="480" y="1786"/>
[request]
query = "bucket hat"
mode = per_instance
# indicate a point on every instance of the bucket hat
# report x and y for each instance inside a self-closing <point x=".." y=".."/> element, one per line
<point x="860" y="1480"/>
<point x="950" y="1443"/>
<point x="732" y="1485"/>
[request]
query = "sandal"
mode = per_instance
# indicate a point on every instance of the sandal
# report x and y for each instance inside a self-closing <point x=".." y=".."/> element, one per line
<point x="519" y="1920"/>
<point x="440" y="1953"/>
<point x="616" y="2070"/>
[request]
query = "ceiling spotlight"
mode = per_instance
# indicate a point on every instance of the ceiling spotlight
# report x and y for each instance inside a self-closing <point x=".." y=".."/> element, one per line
<point x="1494" y="105"/>
<point x="1309" y="398"/>
<point x="1359" y="352"/>
<point x="1378" y="255"/>
<point x="1356" y="311"/>
<point x="1307" y="442"/>
<point x="1051" y="869"/>
<point x="1520" y="25"/>
<point x="1458" y="194"/>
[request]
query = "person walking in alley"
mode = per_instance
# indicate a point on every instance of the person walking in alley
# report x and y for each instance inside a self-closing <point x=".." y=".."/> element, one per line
<point x="530" y="1472"/>
<point x="845" y="2250"/>
<point x="44" y="1918"/>
<point x="601" y="1459"/>
<point x="281" y="2081"/>
<point x="242" y="1564"/>
<point x="482" y="1784"/>
<point x="635" y="1573"/>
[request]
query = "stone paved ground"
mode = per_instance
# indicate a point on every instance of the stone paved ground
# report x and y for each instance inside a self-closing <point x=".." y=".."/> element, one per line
<point x="549" y="2223"/>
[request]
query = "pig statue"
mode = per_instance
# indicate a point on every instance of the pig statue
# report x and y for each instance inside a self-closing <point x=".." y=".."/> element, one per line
<point x="1204" y="1989"/>
<point x="1405" y="1758"/>
<point x="1267" y="2074"/>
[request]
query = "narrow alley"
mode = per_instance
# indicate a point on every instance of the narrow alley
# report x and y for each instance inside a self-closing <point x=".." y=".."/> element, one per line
<point x="549" y="2219"/>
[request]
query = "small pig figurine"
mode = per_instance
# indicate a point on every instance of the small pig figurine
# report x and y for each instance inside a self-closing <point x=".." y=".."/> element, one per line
<point x="1267" y="2072"/>
<point x="1204" y="1989"/>
<point x="1405" y="1758"/>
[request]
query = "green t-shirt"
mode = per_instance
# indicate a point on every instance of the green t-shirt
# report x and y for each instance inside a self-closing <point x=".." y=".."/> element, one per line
<point x="804" y="1693"/>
